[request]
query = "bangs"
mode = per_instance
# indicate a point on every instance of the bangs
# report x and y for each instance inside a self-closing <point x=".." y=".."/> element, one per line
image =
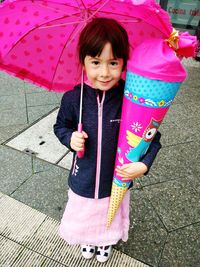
<point x="97" y="33"/>
<point x="95" y="46"/>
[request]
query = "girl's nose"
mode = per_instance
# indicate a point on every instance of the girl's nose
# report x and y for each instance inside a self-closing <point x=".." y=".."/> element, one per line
<point x="105" y="70"/>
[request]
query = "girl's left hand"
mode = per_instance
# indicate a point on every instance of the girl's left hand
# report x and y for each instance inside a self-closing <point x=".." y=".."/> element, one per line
<point x="132" y="170"/>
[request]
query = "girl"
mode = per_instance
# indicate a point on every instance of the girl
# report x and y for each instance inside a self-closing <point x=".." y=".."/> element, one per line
<point x="103" y="52"/>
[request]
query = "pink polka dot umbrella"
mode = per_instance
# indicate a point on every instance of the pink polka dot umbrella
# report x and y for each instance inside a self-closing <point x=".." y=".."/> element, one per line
<point x="38" y="38"/>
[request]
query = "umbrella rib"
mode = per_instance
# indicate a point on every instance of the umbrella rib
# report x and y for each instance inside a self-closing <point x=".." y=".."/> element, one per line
<point x="134" y="20"/>
<point x="82" y="4"/>
<point x="63" y="24"/>
<point x="54" y="9"/>
<point x="95" y="4"/>
<point x="117" y="14"/>
<point x="96" y="11"/>
<point x="137" y="20"/>
<point x="66" y="44"/>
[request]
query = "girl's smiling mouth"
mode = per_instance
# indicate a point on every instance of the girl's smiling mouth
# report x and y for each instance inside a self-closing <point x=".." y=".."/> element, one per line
<point x="105" y="82"/>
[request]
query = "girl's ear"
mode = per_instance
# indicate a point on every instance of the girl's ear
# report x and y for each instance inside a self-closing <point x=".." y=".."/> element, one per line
<point x="82" y="65"/>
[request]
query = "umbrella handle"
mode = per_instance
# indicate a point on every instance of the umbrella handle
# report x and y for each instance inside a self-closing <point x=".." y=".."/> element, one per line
<point x="80" y="154"/>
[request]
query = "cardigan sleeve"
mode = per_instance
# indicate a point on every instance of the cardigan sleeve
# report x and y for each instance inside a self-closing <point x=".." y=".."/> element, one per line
<point x="152" y="151"/>
<point x="65" y="123"/>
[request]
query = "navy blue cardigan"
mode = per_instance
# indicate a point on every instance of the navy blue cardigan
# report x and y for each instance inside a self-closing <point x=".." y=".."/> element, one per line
<point x="91" y="176"/>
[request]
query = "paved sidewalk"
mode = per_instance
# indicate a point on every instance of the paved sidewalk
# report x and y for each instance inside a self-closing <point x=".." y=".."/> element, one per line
<point x="165" y="205"/>
<point x="29" y="238"/>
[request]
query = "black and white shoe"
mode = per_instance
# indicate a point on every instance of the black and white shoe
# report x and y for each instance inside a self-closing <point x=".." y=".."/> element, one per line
<point x="87" y="251"/>
<point x="103" y="253"/>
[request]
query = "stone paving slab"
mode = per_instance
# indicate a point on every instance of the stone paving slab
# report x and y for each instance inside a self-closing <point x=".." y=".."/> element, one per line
<point x="10" y="85"/>
<point x="66" y="162"/>
<point x="43" y="98"/>
<point x="175" y="113"/>
<point x="46" y="239"/>
<point x="193" y="72"/>
<point x="190" y="126"/>
<point x="193" y="109"/>
<point x="31" y="239"/>
<point x="190" y="63"/>
<point x="29" y="258"/>
<point x="40" y="165"/>
<point x="173" y="162"/>
<point x="46" y="191"/>
<point x="13" y="116"/>
<point x="191" y="156"/>
<point x="194" y="182"/>
<point x="10" y="102"/>
<point x="7" y="132"/>
<point x="37" y="112"/>
<point x="17" y="220"/>
<point x="190" y="95"/>
<point x="31" y="88"/>
<point x="189" y="92"/>
<point x="59" y="96"/>
<point x="15" y="168"/>
<point x="182" y="248"/>
<point x="173" y="134"/>
<point x="9" y="251"/>
<point x="40" y="139"/>
<point x="176" y="202"/>
<point x="147" y="234"/>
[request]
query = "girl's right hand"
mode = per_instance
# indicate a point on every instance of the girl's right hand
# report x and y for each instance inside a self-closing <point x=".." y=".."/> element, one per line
<point x="78" y="140"/>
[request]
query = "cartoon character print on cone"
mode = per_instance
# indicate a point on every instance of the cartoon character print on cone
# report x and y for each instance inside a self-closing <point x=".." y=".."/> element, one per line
<point x="140" y="145"/>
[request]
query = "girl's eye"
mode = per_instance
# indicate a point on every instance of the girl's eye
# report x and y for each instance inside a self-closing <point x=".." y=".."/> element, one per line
<point x="95" y="62"/>
<point x="150" y="133"/>
<point x="114" y="63"/>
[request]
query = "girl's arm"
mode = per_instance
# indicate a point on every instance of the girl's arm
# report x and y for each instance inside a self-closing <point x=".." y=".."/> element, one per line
<point x="137" y="169"/>
<point x="149" y="157"/>
<point x="65" y="123"/>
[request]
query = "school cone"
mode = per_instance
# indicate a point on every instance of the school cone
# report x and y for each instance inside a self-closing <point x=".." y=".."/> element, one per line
<point x="153" y="79"/>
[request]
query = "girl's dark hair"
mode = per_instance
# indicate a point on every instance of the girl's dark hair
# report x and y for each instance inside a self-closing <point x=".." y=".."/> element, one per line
<point x="97" y="33"/>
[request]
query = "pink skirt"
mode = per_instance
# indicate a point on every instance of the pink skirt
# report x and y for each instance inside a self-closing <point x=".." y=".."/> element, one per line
<point x="84" y="221"/>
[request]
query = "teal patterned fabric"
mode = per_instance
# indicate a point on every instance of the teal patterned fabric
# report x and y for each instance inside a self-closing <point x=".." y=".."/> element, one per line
<point x="150" y="92"/>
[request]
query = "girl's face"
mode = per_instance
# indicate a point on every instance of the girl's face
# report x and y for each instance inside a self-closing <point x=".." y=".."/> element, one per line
<point x="103" y="71"/>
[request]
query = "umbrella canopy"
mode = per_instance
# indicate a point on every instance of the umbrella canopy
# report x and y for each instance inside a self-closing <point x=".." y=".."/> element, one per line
<point x="39" y="37"/>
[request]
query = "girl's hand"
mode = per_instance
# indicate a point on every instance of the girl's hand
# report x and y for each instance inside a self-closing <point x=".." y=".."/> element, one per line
<point x="132" y="170"/>
<point x="78" y="140"/>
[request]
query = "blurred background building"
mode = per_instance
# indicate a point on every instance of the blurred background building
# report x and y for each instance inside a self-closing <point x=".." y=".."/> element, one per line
<point x="185" y="14"/>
